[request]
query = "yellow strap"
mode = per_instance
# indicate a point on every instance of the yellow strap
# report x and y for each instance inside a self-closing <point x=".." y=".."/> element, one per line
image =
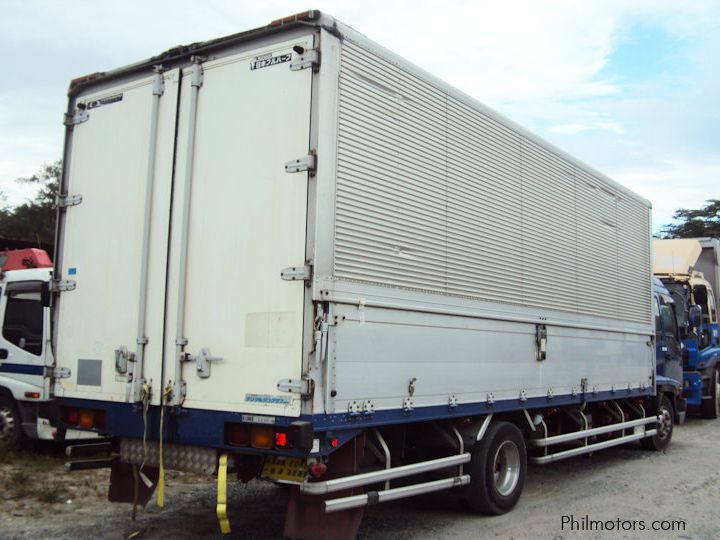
<point x="161" y="472"/>
<point x="222" y="495"/>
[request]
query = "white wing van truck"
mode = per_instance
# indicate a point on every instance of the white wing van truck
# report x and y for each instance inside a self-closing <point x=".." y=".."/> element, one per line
<point x="299" y="257"/>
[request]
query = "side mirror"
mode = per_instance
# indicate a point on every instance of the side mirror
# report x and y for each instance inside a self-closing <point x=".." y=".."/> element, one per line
<point x="695" y="316"/>
<point x="700" y="294"/>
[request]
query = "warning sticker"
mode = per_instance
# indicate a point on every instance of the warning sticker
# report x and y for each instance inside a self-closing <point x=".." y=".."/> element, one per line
<point x="268" y="60"/>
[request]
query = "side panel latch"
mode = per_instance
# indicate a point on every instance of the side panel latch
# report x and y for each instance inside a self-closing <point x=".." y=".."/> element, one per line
<point x="541" y="342"/>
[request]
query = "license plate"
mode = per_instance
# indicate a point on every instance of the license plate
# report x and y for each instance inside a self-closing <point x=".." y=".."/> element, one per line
<point x="284" y="469"/>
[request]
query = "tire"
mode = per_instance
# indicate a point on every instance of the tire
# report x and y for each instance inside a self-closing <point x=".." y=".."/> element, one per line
<point x="10" y="425"/>
<point x="497" y="470"/>
<point x="710" y="407"/>
<point x="661" y="439"/>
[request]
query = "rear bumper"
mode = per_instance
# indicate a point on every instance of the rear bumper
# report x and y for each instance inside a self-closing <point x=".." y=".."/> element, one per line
<point x="192" y="427"/>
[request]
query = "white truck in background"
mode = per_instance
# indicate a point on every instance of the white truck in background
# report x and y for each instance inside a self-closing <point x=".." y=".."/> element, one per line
<point x="27" y="366"/>
<point x="25" y="355"/>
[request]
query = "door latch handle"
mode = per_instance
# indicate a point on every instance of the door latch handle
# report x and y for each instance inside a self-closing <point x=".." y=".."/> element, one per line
<point x="202" y="362"/>
<point x="4" y="354"/>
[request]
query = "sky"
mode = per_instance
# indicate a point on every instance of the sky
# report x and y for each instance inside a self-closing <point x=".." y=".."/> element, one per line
<point x="632" y="88"/>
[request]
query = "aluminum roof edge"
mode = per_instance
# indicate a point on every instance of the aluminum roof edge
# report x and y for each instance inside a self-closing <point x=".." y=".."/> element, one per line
<point x="343" y="31"/>
<point x="181" y="53"/>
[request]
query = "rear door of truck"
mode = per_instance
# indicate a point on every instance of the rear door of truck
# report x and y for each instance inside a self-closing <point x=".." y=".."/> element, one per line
<point x="245" y="218"/>
<point x="100" y="249"/>
<point x="247" y="222"/>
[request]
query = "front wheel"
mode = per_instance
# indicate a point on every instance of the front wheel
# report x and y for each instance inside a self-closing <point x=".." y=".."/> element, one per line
<point x="661" y="439"/>
<point x="10" y="425"/>
<point x="710" y="406"/>
<point x="497" y="470"/>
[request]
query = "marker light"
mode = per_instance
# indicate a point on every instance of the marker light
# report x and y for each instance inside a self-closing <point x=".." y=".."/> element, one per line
<point x="261" y="437"/>
<point x="317" y="470"/>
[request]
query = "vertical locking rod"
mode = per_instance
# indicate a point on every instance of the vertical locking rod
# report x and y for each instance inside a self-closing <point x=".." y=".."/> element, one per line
<point x="138" y="379"/>
<point x="196" y="82"/>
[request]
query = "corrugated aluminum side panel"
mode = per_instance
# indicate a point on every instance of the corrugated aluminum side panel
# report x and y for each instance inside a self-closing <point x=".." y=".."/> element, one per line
<point x="435" y="195"/>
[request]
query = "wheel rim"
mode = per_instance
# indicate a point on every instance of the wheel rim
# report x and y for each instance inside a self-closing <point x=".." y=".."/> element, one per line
<point x="506" y="468"/>
<point x="7" y="424"/>
<point x="665" y="424"/>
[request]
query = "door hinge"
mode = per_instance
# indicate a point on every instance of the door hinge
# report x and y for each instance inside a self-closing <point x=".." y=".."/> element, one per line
<point x="297" y="273"/>
<point x="78" y="117"/>
<point x="57" y="373"/>
<point x="307" y="163"/>
<point x="63" y="201"/>
<point x="62" y="285"/>
<point x="304" y="387"/>
<point x="308" y="58"/>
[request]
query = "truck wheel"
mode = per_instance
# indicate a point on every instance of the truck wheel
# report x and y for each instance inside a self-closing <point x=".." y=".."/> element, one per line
<point x="10" y="425"/>
<point x="661" y="439"/>
<point x="497" y="470"/>
<point x="710" y="407"/>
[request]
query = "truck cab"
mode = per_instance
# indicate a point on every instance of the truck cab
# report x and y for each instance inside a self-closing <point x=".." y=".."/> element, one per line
<point x="25" y="355"/>
<point x="694" y="293"/>
<point x="668" y="348"/>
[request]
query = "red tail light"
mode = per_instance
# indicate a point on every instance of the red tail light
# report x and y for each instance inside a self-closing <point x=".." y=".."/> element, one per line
<point x="297" y="435"/>
<point x="281" y="439"/>
<point x="72" y="416"/>
<point x="86" y="418"/>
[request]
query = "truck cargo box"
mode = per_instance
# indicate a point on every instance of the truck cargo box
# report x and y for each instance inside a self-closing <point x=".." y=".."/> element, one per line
<point x="295" y="222"/>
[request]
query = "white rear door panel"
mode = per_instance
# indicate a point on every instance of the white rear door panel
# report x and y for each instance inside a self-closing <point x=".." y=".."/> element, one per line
<point x="102" y="238"/>
<point x="247" y="223"/>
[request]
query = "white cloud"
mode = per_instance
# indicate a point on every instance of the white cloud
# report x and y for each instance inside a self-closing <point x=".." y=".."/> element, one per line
<point x="547" y="65"/>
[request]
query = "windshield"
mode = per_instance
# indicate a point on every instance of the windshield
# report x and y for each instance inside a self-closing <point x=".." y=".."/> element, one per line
<point x="679" y="295"/>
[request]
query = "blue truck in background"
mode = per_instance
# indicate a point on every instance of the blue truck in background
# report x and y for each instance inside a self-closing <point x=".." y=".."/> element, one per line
<point x="668" y="359"/>
<point x="690" y="269"/>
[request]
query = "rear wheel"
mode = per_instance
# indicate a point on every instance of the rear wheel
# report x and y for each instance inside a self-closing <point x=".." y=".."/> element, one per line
<point x="661" y="439"/>
<point x="710" y="406"/>
<point x="10" y="425"/>
<point x="497" y="470"/>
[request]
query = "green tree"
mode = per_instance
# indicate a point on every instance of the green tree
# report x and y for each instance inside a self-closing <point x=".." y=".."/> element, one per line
<point x="695" y="223"/>
<point x="34" y="221"/>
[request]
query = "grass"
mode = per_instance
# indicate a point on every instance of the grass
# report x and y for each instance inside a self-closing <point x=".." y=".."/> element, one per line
<point x="18" y="485"/>
<point x="51" y="494"/>
<point x="28" y="473"/>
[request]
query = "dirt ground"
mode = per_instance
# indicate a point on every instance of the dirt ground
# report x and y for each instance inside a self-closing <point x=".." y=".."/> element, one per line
<point x="40" y="500"/>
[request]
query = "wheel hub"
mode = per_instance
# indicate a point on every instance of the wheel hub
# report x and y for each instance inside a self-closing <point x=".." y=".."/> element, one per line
<point x="7" y="423"/>
<point x="506" y="468"/>
<point x="665" y="424"/>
